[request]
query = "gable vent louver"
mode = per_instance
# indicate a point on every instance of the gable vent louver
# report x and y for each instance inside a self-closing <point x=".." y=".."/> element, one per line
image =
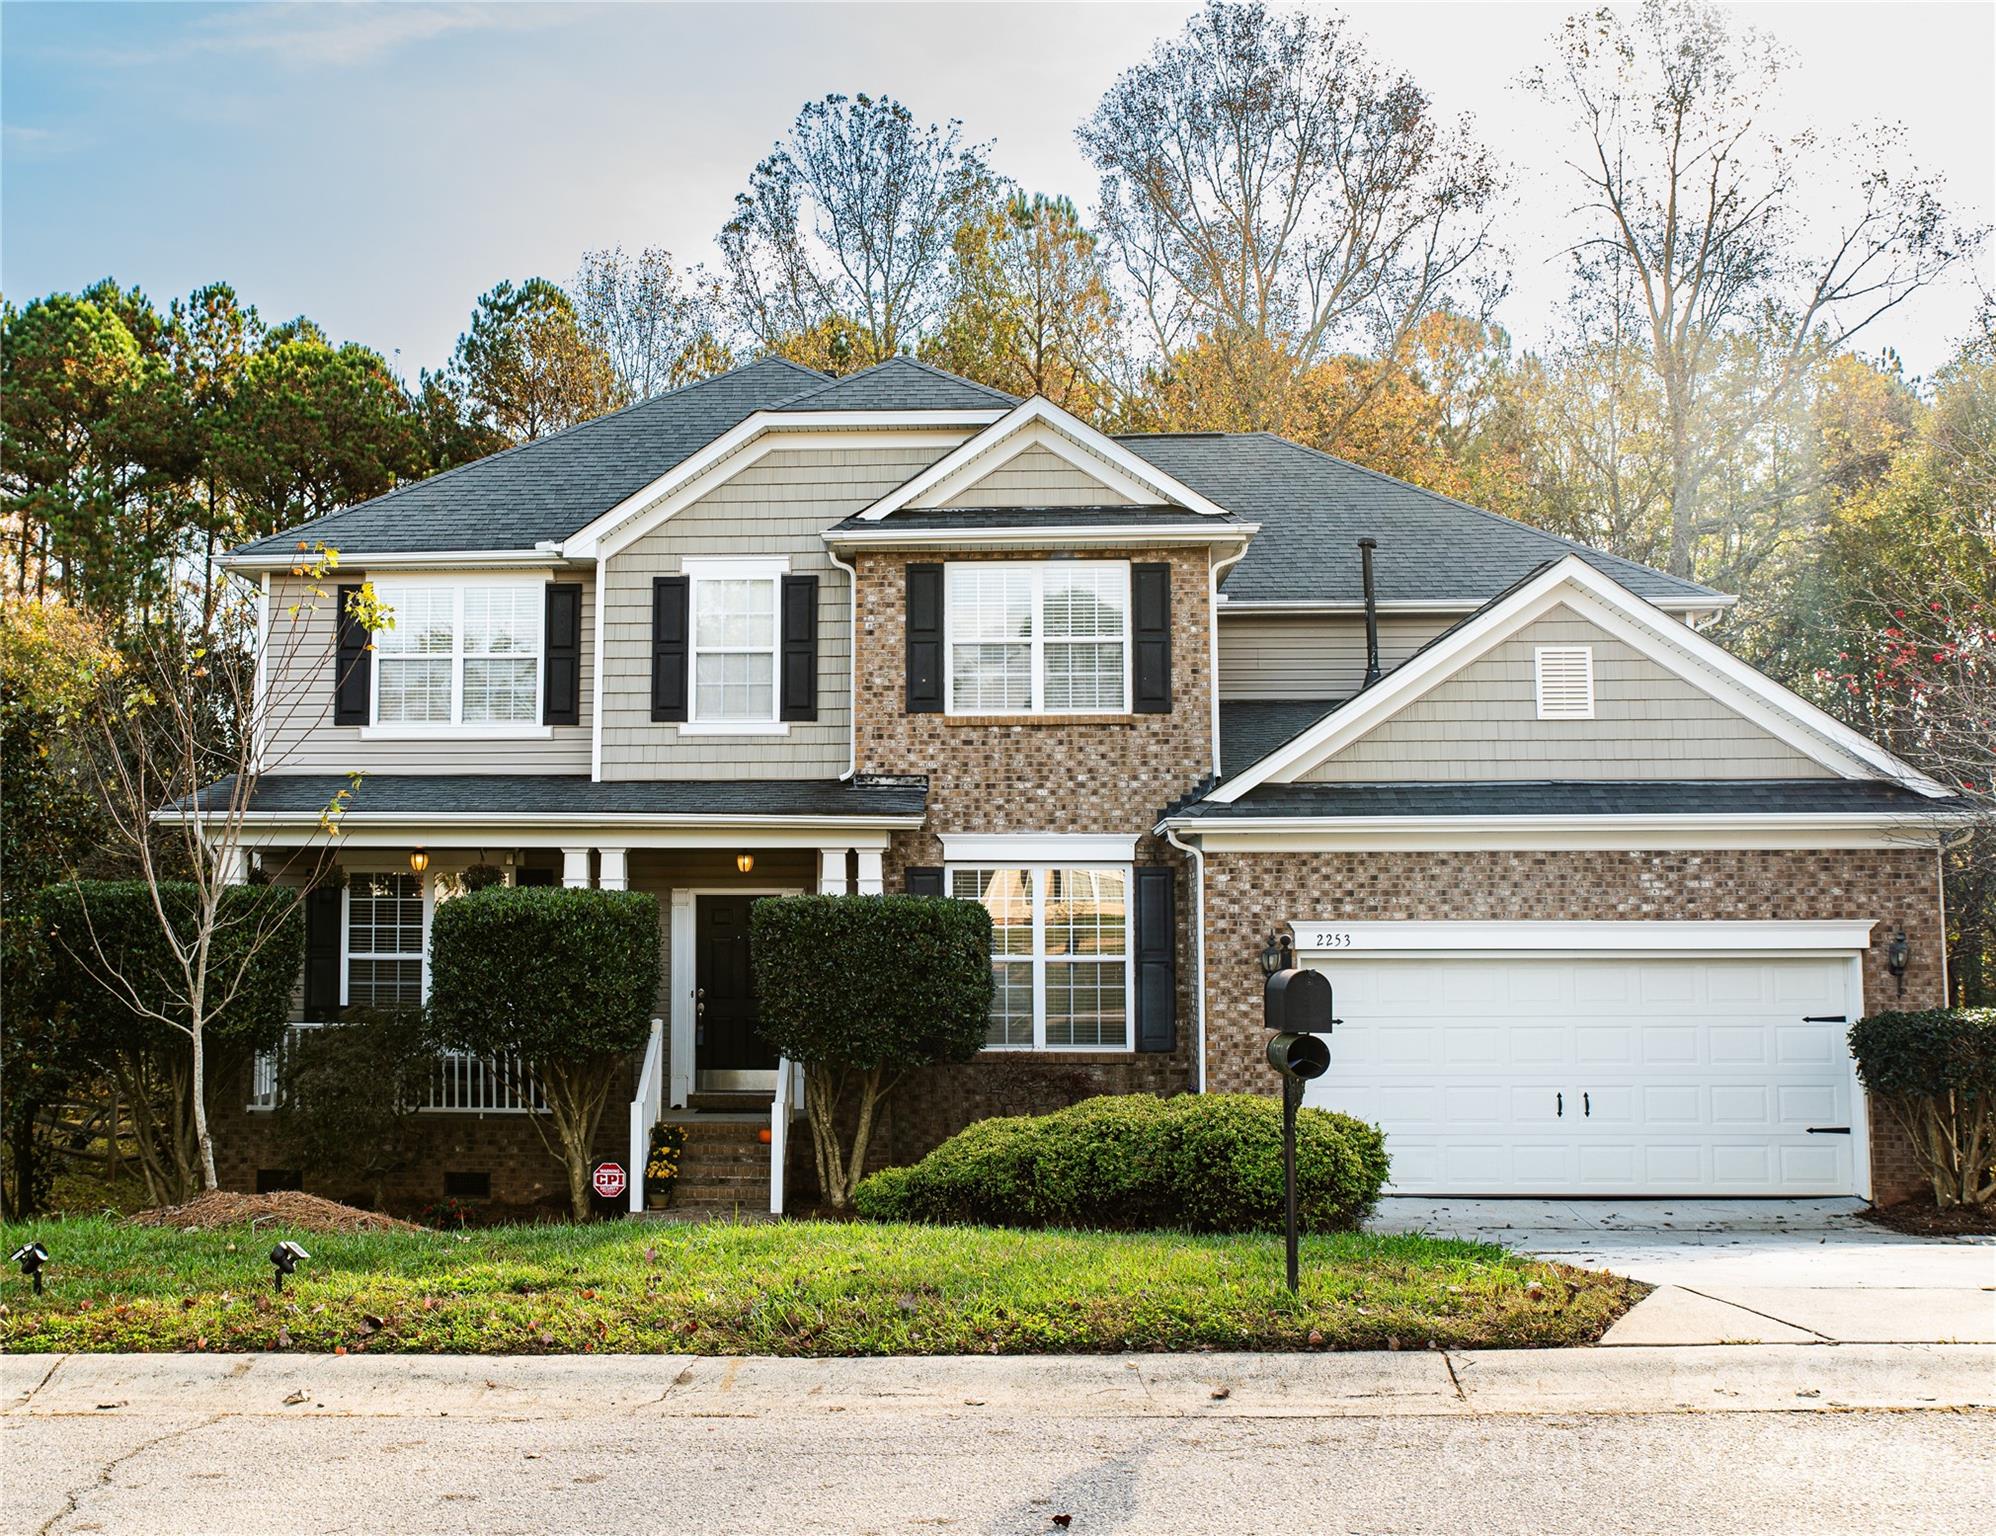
<point x="1565" y="681"/>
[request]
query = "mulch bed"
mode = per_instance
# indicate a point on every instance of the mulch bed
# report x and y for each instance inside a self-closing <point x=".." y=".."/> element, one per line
<point x="291" y="1208"/>
<point x="1920" y="1217"/>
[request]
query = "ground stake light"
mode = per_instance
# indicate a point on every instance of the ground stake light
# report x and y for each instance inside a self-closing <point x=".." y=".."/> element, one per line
<point x="284" y="1260"/>
<point x="31" y="1257"/>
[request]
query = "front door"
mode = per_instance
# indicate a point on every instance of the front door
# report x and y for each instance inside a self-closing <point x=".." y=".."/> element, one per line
<point x="729" y="1052"/>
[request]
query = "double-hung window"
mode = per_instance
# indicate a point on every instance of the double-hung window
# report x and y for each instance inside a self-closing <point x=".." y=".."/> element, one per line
<point x="384" y="940"/>
<point x="1060" y="954"/>
<point x="460" y="654"/>
<point x="734" y="639"/>
<point x="1038" y="637"/>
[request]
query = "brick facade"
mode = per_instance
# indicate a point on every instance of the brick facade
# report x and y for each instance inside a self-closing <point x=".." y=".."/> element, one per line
<point x="1249" y="893"/>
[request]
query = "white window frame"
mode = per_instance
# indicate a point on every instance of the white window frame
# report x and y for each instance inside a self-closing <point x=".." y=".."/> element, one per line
<point x="771" y="570"/>
<point x="1039" y="871"/>
<point x="1565" y="653"/>
<point x="1038" y="569"/>
<point x="426" y="883"/>
<point x="457" y="728"/>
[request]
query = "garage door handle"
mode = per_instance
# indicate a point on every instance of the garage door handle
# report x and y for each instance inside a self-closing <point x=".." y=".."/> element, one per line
<point x="1824" y="1018"/>
<point x="1586" y="1105"/>
<point x="1829" y="1130"/>
<point x="1559" y="1105"/>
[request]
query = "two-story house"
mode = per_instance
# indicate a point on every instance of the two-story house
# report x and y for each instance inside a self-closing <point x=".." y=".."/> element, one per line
<point x="1596" y="898"/>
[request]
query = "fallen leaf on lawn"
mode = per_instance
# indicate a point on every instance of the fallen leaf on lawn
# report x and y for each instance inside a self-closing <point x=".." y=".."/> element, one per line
<point x="284" y="1338"/>
<point x="370" y="1322"/>
<point x="187" y="1303"/>
<point x="651" y="1255"/>
<point x="339" y="1349"/>
<point x="430" y="1303"/>
<point x="1316" y="1339"/>
<point x="547" y="1339"/>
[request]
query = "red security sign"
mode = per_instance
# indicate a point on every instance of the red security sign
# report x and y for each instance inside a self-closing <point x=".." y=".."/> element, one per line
<point x="608" y="1180"/>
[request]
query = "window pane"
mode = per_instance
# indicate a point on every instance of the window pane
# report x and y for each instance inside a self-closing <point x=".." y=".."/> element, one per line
<point x="734" y="686"/>
<point x="1084" y="601"/>
<point x="422" y="615"/>
<point x="499" y="620"/>
<point x="990" y="602"/>
<point x="991" y="677"/>
<point x="732" y="614"/>
<point x="503" y="689"/>
<point x="385" y="915"/>
<point x="1085" y="676"/>
<point x="1086" y="909"/>
<point x="413" y="692"/>
<point x="1007" y="894"/>
<point x="1085" y="1004"/>
<point x="385" y="983"/>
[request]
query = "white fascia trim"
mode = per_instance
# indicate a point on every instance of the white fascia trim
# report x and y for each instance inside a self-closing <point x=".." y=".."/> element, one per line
<point x="740" y="567"/>
<point x="1039" y="409"/>
<point x="1038" y="848"/>
<point x="1673" y="645"/>
<point x="1099" y="536"/>
<point x="1270" y="607"/>
<point x="399" y="560"/>
<point x="644" y="509"/>
<point x="1330" y="936"/>
<point x="1039" y="434"/>
<point x="360" y="830"/>
<point x="1409" y="834"/>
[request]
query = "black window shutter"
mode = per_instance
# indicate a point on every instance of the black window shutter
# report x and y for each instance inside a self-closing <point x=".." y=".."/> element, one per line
<point x="924" y="881"/>
<point x="1157" y="958"/>
<point x="1150" y="631"/>
<point x="322" y="954"/>
<point x="668" y="647"/>
<point x="561" y="695"/>
<point x="800" y="648"/>
<point x="925" y="639"/>
<point x="351" y="671"/>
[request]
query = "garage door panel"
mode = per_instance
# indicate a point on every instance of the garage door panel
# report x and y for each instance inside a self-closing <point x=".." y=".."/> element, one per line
<point x="1676" y="1075"/>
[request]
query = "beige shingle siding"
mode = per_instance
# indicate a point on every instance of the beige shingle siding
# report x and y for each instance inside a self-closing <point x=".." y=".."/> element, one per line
<point x="1312" y="657"/>
<point x="779" y="506"/>
<point x="1482" y="724"/>
<point x="303" y="738"/>
<point x="1038" y="477"/>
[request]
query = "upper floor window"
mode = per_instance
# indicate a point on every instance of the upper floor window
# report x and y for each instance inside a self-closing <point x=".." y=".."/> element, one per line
<point x="1038" y="637"/>
<point x="734" y="639"/>
<point x="460" y="654"/>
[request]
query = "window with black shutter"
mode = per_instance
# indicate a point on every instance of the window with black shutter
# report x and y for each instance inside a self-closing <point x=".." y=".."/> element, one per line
<point x="800" y="647"/>
<point x="668" y="647"/>
<point x="561" y="698"/>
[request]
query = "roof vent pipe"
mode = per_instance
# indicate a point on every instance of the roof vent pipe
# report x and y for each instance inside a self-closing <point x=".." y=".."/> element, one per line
<point x="1365" y="548"/>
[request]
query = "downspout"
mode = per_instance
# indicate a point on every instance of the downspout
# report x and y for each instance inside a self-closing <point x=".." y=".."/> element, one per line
<point x="596" y="676"/>
<point x="1198" y="857"/>
<point x="1366" y="546"/>
<point x="852" y="662"/>
<point x="1214" y="572"/>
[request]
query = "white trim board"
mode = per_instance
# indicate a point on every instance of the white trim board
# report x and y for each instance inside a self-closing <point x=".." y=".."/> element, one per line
<point x="1650" y="936"/>
<point x="1004" y="848"/>
<point x="1039" y="421"/>
<point x="1380" y="834"/>
<point x="1106" y="536"/>
<point x="1601" y="600"/>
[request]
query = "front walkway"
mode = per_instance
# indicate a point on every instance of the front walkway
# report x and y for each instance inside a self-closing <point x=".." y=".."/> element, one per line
<point x="1743" y="1271"/>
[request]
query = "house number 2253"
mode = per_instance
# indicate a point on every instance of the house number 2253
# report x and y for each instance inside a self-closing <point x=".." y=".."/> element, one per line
<point x="1327" y="938"/>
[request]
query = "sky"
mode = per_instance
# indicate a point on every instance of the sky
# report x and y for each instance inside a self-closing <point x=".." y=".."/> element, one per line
<point x="378" y="166"/>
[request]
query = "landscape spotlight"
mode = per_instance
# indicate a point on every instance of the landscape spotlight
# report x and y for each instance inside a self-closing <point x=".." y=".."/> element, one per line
<point x="285" y="1257"/>
<point x="31" y="1257"/>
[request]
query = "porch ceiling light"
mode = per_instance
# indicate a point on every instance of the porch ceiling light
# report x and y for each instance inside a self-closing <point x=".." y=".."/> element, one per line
<point x="419" y="861"/>
<point x="745" y="862"/>
<point x="1278" y="954"/>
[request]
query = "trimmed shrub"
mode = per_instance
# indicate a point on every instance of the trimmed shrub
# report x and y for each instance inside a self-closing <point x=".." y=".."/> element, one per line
<point x="348" y="1095"/>
<point x="867" y="987"/>
<point x="566" y="980"/>
<point x="1934" y="1070"/>
<point x="1197" y="1162"/>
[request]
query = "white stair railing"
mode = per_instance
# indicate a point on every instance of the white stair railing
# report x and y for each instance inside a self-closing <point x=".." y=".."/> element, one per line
<point x="645" y="1106"/>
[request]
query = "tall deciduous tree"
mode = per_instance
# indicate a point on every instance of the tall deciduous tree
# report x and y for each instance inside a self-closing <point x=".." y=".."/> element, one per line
<point x="845" y="231"/>
<point x="1270" y="192"/>
<point x="1695" y="228"/>
<point x="656" y="325"/>
<point x="526" y="366"/>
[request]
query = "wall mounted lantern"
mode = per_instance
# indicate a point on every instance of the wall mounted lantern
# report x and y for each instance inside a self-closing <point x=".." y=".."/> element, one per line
<point x="1897" y="953"/>
<point x="745" y="862"/>
<point x="1279" y="954"/>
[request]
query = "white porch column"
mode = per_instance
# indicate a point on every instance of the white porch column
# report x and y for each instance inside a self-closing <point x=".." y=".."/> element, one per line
<point x="613" y="869"/>
<point x="871" y="881"/>
<point x="575" y="867"/>
<point x="831" y="871"/>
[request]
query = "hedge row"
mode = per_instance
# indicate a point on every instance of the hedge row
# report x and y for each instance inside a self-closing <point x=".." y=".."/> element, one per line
<point x="1196" y="1162"/>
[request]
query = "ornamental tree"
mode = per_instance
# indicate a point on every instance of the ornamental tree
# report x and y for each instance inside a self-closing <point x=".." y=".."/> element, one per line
<point x="861" y="990"/>
<point x="556" y="984"/>
<point x="1935" y="1072"/>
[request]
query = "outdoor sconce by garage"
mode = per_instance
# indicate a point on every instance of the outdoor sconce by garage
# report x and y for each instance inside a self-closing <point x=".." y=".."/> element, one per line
<point x="31" y="1257"/>
<point x="284" y="1261"/>
<point x="1278" y="954"/>
<point x="1897" y="953"/>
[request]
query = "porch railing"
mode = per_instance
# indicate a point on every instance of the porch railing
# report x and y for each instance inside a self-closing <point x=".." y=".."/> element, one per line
<point x="458" y="1084"/>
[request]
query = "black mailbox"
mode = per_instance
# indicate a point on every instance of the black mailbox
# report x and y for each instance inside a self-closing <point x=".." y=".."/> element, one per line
<point x="1298" y="1002"/>
<point x="1299" y="1056"/>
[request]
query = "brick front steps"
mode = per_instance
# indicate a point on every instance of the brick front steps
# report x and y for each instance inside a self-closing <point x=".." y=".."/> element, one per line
<point x="724" y="1170"/>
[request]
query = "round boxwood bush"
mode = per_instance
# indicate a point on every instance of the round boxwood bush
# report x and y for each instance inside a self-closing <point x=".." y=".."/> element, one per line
<point x="1197" y="1162"/>
<point x="1934" y="1070"/>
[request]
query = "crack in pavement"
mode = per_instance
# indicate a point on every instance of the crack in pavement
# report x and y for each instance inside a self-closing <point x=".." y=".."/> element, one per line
<point x="73" y="1500"/>
<point x="1455" y="1381"/>
<point x="28" y="1396"/>
<point x="1743" y="1307"/>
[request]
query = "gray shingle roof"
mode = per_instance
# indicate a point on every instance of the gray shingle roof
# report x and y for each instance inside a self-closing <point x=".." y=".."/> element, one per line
<point x="1314" y="508"/>
<point x="902" y="384"/>
<point x="562" y="795"/>
<point x="550" y="488"/>
<point x="1028" y="518"/>
<point x="1710" y="797"/>
<point x="1250" y="729"/>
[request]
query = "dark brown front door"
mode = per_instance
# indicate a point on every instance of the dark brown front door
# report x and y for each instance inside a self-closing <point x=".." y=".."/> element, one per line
<point x="728" y="1051"/>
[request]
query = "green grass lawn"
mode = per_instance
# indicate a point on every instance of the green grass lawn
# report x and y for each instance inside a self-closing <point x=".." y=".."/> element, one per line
<point x="794" y="1288"/>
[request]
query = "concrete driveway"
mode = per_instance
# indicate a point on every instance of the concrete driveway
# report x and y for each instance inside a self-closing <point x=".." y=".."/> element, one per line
<point x="1743" y="1271"/>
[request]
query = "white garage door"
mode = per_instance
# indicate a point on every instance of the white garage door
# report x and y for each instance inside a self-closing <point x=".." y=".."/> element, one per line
<point x="1598" y="1076"/>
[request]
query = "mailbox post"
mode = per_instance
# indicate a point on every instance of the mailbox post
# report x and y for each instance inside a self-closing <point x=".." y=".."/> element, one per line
<point x="1296" y="1004"/>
